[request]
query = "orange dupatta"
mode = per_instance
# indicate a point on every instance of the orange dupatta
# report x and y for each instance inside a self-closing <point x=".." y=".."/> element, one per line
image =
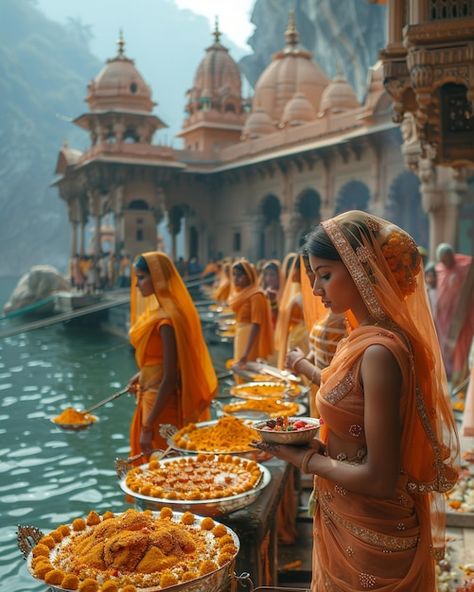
<point x="239" y="297"/>
<point x="171" y="300"/>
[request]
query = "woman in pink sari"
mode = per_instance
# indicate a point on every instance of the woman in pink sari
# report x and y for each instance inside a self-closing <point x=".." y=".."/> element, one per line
<point x="388" y="442"/>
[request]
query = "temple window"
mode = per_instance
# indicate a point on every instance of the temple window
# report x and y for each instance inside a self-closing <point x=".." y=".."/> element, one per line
<point x="130" y="136"/>
<point x="133" y="87"/>
<point x="110" y="138"/>
<point x="139" y="234"/>
<point x="450" y="9"/>
<point x="230" y="107"/>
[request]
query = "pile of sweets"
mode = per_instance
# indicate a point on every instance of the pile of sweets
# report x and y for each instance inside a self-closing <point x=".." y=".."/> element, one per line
<point x="71" y="416"/>
<point x="229" y="434"/>
<point x="201" y="477"/>
<point x="131" y="551"/>
<point x="272" y="407"/>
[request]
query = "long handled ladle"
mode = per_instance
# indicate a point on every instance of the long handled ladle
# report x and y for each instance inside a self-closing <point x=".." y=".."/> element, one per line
<point x="84" y="412"/>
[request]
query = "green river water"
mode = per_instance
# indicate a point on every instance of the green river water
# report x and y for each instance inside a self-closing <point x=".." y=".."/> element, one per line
<point x="47" y="475"/>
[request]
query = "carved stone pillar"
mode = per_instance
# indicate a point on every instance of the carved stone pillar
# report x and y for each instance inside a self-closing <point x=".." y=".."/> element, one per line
<point x="82" y="240"/>
<point x="256" y="228"/>
<point x="74" y="225"/>
<point x="292" y="224"/>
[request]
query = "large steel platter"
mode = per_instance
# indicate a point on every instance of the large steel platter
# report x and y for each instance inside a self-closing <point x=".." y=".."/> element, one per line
<point x="212" y="507"/>
<point x="215" y="581"/>
<point x="251" y="453"/>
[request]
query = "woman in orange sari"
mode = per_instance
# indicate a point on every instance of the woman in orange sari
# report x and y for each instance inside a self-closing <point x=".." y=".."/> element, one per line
<point x="254" y="331"/>
<point x="290" y="330"/>
<point x="272" y="286"/>
<point x="389" y="443"/>
<point x="222" y="292"/>
<point x="176" y="381"/>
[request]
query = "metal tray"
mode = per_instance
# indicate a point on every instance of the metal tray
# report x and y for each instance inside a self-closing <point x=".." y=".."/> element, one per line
<point x="240" y="392"/>
<point x="252" y="413"/>
<point x="212" y="507"/>
<point x="215" y="581"/>
<point x="253" y="368"/>
<point x="167" y="431"/>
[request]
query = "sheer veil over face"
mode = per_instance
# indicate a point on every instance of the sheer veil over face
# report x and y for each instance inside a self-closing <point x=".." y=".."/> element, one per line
<point x="385" y="266"/>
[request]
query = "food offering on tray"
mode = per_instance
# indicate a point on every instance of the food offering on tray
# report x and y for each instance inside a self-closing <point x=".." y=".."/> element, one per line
<point x="272" y="407"/>
<point x="265" y="390"/>
<point x="201" y="477"/>
<point x="74" y="418"/>
<point x="132" y="551"/>
<point x="288" y="430"/>
<point x="228" y="434"/>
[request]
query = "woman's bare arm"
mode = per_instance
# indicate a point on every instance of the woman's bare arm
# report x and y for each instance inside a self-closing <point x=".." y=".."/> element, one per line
<point x="378" y="476"/>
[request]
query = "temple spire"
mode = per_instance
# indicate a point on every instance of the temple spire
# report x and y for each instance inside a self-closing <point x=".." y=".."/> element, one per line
<point x="217" y="34"/>
<point x="121" y="45"/>
<point x="291" y="34"/>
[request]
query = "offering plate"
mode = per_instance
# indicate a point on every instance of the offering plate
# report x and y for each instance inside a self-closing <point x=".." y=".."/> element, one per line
<point x="215" y="581"/>
<point x="212" y="507"/>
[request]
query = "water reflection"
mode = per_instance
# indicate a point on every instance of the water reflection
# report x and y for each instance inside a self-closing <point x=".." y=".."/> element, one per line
<point x="48" y="475"/>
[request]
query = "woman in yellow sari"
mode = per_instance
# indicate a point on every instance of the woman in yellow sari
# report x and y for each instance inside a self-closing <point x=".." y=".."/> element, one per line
<point x="176" y="380"/>
<point x="389" y="443"/>
<point x="254" y="332"/>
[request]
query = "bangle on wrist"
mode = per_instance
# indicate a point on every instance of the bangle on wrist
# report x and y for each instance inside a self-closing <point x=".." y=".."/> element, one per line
<point x="297" y="361"/>
<point x="306" y="460"/>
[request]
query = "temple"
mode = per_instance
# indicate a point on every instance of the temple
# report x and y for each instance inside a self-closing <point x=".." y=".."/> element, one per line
<point x="253" y="175"/>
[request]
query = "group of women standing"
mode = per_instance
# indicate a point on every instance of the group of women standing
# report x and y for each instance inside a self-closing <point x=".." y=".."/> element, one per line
<point x="388" y="442"/>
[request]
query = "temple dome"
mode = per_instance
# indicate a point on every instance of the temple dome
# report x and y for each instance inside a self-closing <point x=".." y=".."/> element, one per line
<point x="298" y="110"/>
<point x="338" y="96"/>
<point x="258" y="123"/>
<point x="292" y="70"/>
<point x="217" y="84"/>
<point x="120" y="86"/>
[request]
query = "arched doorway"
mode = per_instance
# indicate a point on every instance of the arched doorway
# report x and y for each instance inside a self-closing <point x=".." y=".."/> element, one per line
<point x="354" y="195"/>
<point x="308" y="206"/>
<point x="272" y="236"/>
<point x="404" y="207"/>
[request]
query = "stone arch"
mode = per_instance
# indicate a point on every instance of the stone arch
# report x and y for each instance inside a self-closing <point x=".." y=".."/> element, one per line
<point x="271" y="243"/>
<point x="354" y="195"/>
<point x="404" y="207"/>
<point x="138" y="204"/>
<point x="308" y="206"/>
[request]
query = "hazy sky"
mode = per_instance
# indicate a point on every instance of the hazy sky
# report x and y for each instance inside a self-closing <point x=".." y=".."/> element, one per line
<point x="234" y="15"/>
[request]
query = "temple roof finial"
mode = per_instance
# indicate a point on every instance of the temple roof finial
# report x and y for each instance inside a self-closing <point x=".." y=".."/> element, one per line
<point x="121" y="45"/>
<point x="217" y="34"/>
<point x="291" y="34"/>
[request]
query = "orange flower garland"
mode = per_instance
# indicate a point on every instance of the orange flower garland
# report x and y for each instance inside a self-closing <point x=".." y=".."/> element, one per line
<point x="403" y="258"/>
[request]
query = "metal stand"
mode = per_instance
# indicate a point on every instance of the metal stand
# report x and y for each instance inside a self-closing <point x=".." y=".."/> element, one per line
<point x="245" y="581"/>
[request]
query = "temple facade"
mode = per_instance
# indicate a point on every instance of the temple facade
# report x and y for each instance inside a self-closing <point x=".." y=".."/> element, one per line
<point x="252" y="176"/>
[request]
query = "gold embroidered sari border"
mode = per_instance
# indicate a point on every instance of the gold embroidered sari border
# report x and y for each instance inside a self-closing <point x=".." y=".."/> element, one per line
<point x="383" y="541"/>
<point x="355" y="268"/>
